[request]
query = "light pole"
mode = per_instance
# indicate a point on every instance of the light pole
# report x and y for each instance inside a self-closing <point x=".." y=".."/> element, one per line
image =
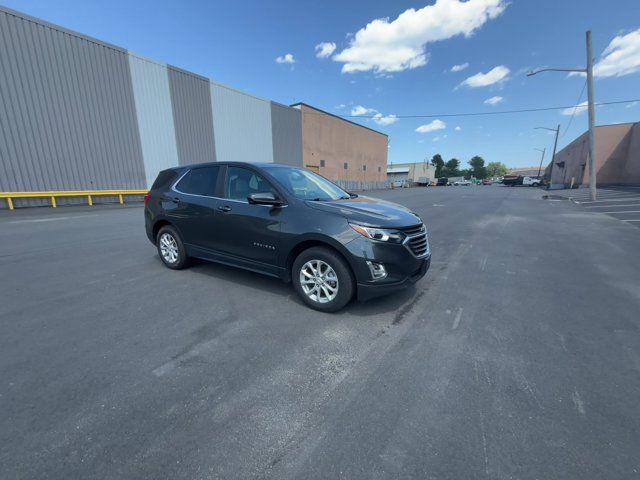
<point x="555" y="145"/>
<point x="541" y="159"/>
<point x="592" y="114"/>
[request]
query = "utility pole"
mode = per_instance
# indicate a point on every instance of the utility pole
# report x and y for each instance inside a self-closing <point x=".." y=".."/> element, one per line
<point x="592" y="119"/>
<point x="542" y="159"/>
<point x="555" y="146"/>
<point x="592" y="113"/>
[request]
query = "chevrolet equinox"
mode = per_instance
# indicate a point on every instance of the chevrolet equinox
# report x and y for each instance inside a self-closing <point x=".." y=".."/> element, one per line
<point x="289" y="223"/>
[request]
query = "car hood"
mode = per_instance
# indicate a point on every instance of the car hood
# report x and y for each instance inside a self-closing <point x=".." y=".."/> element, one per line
<point x="369" y="211"/>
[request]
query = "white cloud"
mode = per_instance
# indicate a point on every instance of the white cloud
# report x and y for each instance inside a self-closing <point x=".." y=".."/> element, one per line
<point x="384" y="120"/>
<point x="493" y="100"/>
<point x="341" y="106"/>
<point x="495" y="75"/>
<point x="458" y="128"/>
<point x="631" y="105"/>
<point x="386" y="45"/>
<point x="578" y="109"/>
<point x="621" y="57"/>
<point x="286" y="58"/>
<point x="432" y="126"/>
<point x="435" y="139"/>
<point x="325" y="49"/>
<point x="360" y="110"/>
<point x="377" y="117"/>
<point x="459" y="68"/>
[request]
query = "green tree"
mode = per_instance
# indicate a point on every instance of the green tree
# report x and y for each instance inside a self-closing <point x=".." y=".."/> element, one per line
<point x="497" y="169"/>
<point x="478" y="169"/>
<point x="451" y="168"/>
<point x="438" y="162"/>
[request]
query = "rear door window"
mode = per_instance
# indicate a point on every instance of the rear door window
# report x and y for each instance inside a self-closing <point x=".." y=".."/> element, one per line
<point x="200" y="181"/>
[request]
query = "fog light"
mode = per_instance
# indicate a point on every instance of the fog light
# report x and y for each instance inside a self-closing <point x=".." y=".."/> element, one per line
<point x="377" y="270"/>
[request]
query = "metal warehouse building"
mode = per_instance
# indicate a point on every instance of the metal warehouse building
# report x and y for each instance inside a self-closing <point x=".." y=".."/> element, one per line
<point x="81" y="114"/>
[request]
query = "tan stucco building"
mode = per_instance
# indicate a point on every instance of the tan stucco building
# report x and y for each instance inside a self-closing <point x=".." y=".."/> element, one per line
<point x="617" y="158"/>
<point x="412" y="172"/>
<point x="342" y="150"/>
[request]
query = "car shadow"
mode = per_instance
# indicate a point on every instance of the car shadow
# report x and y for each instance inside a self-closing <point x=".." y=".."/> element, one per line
<point x="376" y="306"/>
<point x="243" y="277"/>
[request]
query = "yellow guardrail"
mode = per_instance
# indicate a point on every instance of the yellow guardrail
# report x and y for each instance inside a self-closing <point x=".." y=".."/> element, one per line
<point x="53" y="194"/>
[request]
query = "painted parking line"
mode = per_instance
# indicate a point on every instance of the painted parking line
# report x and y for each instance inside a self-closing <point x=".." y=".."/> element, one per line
<point x="51" y="219"/>
<point x="621" y="211"/>
<point x="615" y="195"/>
<point x="637" y="220"/>
<point x="613" y="206"/>
<point x="610" y="200"/>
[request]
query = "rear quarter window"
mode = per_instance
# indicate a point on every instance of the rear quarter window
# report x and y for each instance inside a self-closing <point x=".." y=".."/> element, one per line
<point x="164" y="179"/>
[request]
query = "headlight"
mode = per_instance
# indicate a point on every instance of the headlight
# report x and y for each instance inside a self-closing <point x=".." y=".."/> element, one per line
<point x="380" y="234"/>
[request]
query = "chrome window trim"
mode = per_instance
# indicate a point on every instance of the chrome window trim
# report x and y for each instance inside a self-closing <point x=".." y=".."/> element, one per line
<point x="173" y="188"/>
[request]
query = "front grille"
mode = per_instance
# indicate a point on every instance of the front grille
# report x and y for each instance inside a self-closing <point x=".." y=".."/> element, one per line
<point x="417" y="240"/>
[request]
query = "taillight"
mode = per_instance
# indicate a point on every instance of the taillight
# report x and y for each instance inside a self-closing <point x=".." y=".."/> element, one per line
<point x="146" y="198"/>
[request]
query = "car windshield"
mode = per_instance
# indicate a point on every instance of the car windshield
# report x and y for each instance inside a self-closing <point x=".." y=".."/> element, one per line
<point x="307" y="185"/>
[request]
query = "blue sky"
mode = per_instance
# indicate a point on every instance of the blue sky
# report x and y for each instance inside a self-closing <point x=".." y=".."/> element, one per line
<point x="402" y="66"/>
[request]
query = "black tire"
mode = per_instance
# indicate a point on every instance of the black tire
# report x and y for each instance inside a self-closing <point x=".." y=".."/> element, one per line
<point x="345" y="282"/>
<point x="181" y="259"/>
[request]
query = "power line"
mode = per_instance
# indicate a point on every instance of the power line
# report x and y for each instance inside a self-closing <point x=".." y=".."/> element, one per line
<point x="501" y="112"/>
<point x="575" y="109"/>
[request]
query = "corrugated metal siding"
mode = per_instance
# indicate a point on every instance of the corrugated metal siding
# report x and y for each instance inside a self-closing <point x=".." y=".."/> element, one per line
<point x="67" y="112"/>
<point x="192" y="117"/>
<point x="155" y="116"/>
<point x="286" y="128"/>
<point x="242" y="126"/>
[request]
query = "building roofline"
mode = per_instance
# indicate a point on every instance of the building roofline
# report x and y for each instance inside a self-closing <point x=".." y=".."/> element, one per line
<point x="101" y="43"/>
<point x="615" y="124"/>
<point x="53" y="26"/>
<point x="294" y="105"/>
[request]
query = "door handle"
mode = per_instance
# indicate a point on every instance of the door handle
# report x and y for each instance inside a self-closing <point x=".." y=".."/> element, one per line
<point x="172" y="199"/>
<point x="224" y="208"/>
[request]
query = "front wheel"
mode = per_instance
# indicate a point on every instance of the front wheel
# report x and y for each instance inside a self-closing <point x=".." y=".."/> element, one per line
<point x="323" y="279"/>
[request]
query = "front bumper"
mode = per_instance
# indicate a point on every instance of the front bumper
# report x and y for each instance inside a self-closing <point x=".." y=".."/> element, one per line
<point x="367" y="291"/>
<point x="402" y="266"/>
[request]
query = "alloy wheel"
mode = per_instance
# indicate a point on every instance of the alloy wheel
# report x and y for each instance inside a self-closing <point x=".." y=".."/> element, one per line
<point x="169" y="248"/>
<point x="319" y="281"/>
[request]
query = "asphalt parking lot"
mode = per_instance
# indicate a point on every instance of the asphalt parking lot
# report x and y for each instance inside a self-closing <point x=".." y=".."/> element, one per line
<point x="517" y="356"/>
<point x="622" y="203"/>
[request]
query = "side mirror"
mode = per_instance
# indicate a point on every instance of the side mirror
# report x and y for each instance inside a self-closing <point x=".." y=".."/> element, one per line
<point x="265" y="198"/>
<point x="353" y="195"/>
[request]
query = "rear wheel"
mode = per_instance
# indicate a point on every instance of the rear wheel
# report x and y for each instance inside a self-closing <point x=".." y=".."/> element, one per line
<point x="171" y="249"/>
<point x="323" y="279"/>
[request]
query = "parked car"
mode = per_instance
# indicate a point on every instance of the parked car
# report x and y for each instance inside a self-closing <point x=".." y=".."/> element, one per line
<point x="487" y="181"/>
<point x="290" y="223"/>
<point x="463" y="183"/>
<point x="532" y="181"/>
<point x="400" y="184"/>
<point x="443" y="182"/>
<point x="512" y="180"/>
